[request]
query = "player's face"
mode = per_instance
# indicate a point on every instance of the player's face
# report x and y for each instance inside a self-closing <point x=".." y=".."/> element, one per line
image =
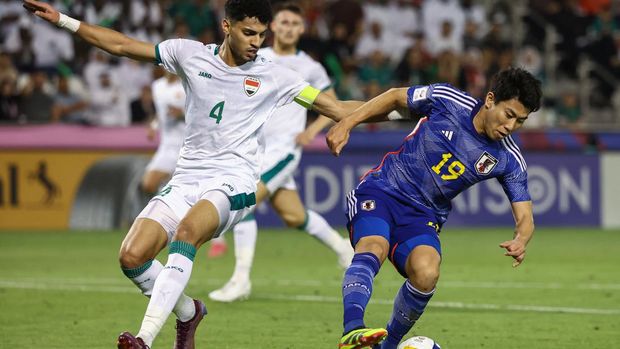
<point x="287" y="27"/>
<point x="503" y="118"/>
<point x="245" y="37"/>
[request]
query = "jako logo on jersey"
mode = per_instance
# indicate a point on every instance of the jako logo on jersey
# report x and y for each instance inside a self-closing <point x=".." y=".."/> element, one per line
<point x="368" y="205"/>
<point x="230" y="187"/>
<point x="205" y="75"/>
<point x="485" y="164"/>
<point x="251" y="85"/>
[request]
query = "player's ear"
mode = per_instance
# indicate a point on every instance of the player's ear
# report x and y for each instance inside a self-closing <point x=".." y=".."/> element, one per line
<point x="489" y="100"/>
<point x="226" y="26"/>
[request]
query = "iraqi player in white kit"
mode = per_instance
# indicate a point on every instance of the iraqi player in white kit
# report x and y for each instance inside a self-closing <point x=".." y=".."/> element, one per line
<point x="169" y="98"/>
<point x="282" y="155"/>
<point x="231" y="92"/>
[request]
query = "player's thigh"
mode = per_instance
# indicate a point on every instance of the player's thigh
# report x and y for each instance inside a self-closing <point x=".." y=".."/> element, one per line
<point x="199" y="224"/>
<point x="145" y="239"/>
<point x="289" y="207"/>
<point x="152" y="179"/>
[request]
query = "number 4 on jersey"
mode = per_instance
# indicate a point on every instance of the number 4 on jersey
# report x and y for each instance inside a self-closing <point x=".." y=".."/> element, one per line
<point x="216" y="112"/>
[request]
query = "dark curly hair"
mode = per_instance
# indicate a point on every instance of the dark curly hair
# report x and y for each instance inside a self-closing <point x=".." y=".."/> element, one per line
<point x="237" y="10"/>
<point x="517" y="83"/>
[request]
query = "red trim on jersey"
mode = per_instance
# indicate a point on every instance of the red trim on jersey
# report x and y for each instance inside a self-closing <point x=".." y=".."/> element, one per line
<point x="413" y="133"/>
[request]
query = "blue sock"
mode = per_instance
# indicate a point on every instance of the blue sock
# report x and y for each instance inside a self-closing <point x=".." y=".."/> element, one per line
<point x="357" y="288"/>
<point x="409" y="305"/>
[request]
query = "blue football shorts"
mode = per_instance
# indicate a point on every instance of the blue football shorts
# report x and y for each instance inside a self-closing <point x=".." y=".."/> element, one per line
<point x="406" y="225"/>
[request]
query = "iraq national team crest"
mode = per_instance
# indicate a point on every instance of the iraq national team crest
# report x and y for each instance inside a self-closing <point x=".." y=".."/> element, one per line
<point x="486" y="163"/>
<point x="251" y="85"/>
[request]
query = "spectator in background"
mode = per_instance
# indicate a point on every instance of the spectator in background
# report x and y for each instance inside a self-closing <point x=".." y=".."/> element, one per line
<point x="568" y="109"/>
<point x="198" y="15"/>
<point x="35" y="102"/>
<point x="68" y="107"/>
<point x="7" y="69"/>
<point x="414" y="68"/>
<point x="98" y="63"/>
<point x="376" y="71"/>
<point x="447" y="40"/>
<point x="9" y="101"/>
<point x="10" y="11"/>
<point x="143" y="108"/>
<point x="108" y="106"/>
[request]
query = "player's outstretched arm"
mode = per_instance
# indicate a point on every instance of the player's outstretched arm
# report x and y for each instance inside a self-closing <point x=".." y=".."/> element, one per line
<point x="376" y="108"/>
<point x="108" y="40"/>
<point x="524" y="229"/>
<point x="307" y="135"/>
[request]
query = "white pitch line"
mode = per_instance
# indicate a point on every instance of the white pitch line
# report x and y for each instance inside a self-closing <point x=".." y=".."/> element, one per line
<point x="313" y="298"/>
<point x="337" y="283"/>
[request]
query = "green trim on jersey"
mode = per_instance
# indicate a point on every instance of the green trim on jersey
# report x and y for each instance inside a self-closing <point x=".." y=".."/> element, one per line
<point x="267" y="176"/>
<point x="184" y="248"/>
<point x="157" y="55"/>
<point x="241" y="201"/>
<point x="137" y="271"/>
<point x="307" y="96"/>
<point x="216" y="50"/>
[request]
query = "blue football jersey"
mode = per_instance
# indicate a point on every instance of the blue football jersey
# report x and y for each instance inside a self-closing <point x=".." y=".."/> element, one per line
<point x="444" y="155"/>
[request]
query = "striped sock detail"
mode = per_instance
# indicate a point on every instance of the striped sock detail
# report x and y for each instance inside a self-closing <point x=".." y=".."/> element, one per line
<point x="137" y="271"/>
<point x="305" y="223"/>
<point x="183" y="248"/>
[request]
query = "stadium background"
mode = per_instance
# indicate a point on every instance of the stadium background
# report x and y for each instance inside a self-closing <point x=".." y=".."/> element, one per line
<point x="65" y="173"/>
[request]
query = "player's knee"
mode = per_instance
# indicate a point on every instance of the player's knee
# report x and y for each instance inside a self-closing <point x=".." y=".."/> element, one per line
<point x="424" y="276"/>
<point x="132" y="257"/>
<point x="149" y="186"/>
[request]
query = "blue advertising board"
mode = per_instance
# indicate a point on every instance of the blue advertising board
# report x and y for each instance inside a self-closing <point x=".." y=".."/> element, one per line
<point x="565" y="190"/>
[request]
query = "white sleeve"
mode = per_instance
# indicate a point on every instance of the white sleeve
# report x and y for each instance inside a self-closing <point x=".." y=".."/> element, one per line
<point x="172" y="53"/>
<point x="290" y="84"/>
<point x="319" y="78"/>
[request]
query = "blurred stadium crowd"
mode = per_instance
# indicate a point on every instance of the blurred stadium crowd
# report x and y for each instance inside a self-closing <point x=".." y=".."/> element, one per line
<point x="47" y="75"/>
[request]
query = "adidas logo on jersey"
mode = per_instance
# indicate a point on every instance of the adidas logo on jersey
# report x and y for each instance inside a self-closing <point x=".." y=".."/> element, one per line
<point x="448" y="134"/>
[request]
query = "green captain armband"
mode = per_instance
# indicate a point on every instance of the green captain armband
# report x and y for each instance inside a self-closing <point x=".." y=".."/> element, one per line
<point x="307" y="96"/>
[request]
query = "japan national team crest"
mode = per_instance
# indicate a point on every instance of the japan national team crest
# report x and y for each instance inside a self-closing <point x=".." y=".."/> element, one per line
<point x="368" y="205"/>
<point x="485" y="164"/>
<point x="251" y="85"/>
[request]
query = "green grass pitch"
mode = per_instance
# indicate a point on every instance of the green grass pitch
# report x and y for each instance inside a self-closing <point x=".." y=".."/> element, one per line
<point x="65" y="290"/>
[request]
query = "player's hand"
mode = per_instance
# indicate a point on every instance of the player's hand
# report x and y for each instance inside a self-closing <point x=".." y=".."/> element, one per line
<point x="516" y="249"/>
<point x="338" y="136"/>
<point x="175" y="112"/>
<point x="151" y="134"/>
<point x="42" y="10"/>
<point x="304" y="138"/>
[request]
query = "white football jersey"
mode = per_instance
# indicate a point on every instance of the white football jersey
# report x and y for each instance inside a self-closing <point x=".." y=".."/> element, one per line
<point x="169" y="94"/>
<point x="289" y="120"/>
<point x="225" y="107"/>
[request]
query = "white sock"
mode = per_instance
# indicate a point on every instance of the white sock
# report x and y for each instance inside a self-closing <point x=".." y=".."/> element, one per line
<point x="318" y="227"/>
<point x="244" y="234"/>
<point x="184" y="309"/>
<point x="166" y="292"/>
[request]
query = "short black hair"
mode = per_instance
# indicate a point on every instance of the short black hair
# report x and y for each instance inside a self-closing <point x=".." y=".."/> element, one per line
<point x="287" y="6"/>
<point x="237" y="10"/>
<point x="517" y="83"/>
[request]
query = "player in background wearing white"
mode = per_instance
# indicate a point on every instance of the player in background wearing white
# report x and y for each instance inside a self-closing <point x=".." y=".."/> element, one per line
<point x="230" y="92"/>
<point x="169" y="98"/>
<point x="282" y="134"/>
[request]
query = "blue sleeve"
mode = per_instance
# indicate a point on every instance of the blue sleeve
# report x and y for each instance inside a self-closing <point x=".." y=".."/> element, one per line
<point x="419" y="100"/>
<point x="515" y="185"/>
